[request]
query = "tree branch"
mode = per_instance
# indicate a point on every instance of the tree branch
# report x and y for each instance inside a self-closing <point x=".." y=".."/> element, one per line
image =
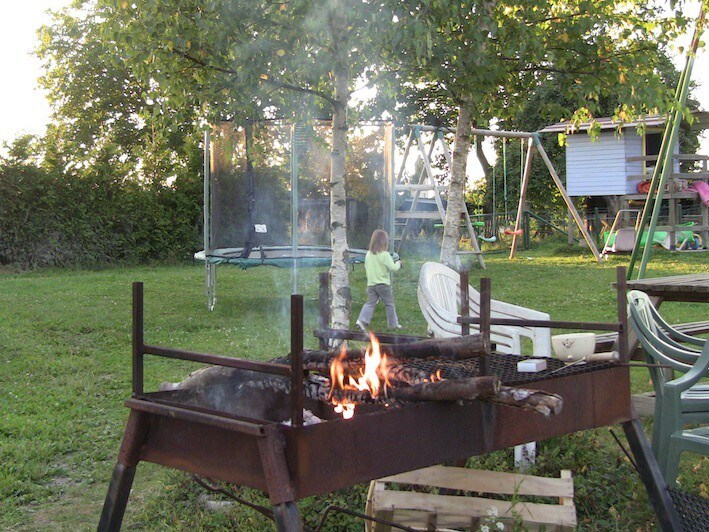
<point x="268" y="80"/>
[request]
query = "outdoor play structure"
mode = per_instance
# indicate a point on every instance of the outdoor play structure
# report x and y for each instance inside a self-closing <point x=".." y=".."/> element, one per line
<point x="618" y="167"/>
<point x="620" y="238"/>
<point x="413" y="191"/>
<point x="266" y="190"/>
<point x="646" y="169"/>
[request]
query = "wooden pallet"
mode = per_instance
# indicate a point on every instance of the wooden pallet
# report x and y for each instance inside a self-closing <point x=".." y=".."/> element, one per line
<point x="432" y="509"/>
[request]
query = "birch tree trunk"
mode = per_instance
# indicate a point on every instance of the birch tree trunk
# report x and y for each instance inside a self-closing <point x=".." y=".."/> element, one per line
<point x="339" y="273"/>
<point x="456" y="189"/>
<point x="459" y="164"/>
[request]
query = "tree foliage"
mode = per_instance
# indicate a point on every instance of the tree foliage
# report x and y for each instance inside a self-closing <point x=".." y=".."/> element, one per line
<point x="484" y="57"/>
<point x="132" y="83"/>
<point x="113" y="179"/>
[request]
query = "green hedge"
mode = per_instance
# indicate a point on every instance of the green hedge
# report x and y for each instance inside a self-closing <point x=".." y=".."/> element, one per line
<point x="52" y="220"/>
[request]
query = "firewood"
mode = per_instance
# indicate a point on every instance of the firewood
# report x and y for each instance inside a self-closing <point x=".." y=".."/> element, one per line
<point x="240" y="392"/>
<point x="458" y="348"/>
<point x="543" y="402"/>
<point x="399" y="373"/>
<point x="448" y="390"/>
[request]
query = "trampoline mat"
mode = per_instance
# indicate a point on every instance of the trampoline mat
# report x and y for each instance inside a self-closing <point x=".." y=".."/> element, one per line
<point x="280" y="256"/>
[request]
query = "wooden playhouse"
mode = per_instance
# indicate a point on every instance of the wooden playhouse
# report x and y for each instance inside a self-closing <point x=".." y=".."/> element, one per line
<point x="610" y="170"/>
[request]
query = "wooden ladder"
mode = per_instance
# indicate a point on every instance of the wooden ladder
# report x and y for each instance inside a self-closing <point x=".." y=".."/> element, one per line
<point x="426" y="183"/>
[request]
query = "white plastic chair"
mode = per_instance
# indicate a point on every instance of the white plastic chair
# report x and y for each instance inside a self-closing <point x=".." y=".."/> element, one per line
<point x="439" y="299"/>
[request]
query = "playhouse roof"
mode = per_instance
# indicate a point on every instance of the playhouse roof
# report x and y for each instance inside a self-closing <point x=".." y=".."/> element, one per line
<point x="701" y="122"/>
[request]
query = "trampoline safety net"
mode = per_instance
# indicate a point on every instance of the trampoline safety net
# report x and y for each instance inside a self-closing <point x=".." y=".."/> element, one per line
<point x="272" y="207"/>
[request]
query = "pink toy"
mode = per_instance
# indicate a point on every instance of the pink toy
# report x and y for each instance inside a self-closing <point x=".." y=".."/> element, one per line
<point x="702" y="189"/>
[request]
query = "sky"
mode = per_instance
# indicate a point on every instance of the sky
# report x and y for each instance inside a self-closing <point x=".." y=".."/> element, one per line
<point x="24" y="109"/>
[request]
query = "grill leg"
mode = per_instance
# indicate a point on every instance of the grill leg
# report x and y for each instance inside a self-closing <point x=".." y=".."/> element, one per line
<point x="287" y="517"/>
<point x="655" y="485"/>
<point x="281" y="491"/>
<point x="114" y="506"/>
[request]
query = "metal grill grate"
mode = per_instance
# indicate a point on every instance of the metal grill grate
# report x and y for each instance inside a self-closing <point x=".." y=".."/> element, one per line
<point x="505" y="367"/>
<point x="692" y="509"/>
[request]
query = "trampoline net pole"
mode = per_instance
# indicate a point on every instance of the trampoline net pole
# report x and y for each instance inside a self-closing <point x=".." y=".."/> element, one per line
<point x="210" y="273"/>
<point x="294" y="208"/>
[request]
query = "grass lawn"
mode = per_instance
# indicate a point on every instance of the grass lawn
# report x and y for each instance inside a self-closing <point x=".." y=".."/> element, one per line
<point x="65" y="347"/>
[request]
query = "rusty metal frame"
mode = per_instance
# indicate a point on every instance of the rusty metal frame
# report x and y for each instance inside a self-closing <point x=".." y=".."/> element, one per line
<point x="296" y="461"/>
<point x="484" y="320"/>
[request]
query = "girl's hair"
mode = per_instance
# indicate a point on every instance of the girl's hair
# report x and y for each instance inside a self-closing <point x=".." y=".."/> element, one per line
<point x="379" y="241"/>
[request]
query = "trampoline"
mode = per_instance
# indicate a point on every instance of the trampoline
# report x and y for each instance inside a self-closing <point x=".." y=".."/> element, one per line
<point x="278" y="256"/>
<point x="266" y="195"/>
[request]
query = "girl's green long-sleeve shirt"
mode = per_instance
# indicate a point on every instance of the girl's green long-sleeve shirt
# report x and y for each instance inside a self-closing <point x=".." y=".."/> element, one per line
<point x="378" y="265"/>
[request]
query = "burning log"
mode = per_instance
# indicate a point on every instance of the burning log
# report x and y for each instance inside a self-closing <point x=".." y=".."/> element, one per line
<point x="453" y="390"/>
<point x="449" y="390"/>
<point x="400" y="373"/>
<point x="458" y="348"/>
<point x="543" y="402"/>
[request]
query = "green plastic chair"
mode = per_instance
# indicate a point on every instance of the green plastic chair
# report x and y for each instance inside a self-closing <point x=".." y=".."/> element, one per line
<point x="695" y="440"/>
<point x="669" y="334"/>
<point x="678" y="402"/>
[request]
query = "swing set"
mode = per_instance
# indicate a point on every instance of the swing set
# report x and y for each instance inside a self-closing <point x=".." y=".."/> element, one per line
<point x="507" y="229"/>
<point x="426" y="183"/>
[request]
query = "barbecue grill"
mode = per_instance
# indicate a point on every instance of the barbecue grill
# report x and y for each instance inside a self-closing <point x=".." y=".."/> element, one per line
<point x="293" y="461"/>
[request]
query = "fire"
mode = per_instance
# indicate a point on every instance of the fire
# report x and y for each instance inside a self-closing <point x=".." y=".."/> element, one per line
<point x="373" y="378"/>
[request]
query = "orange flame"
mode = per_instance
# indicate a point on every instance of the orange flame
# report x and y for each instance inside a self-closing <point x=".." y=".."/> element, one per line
<point x="373" y="378"/>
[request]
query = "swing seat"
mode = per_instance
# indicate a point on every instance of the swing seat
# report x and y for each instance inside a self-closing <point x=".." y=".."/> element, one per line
<point x="518" y="232"/>
<point x="487" y="238"/>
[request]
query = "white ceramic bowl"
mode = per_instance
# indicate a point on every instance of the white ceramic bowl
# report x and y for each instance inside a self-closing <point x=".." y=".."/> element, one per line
<point x="574" y="346"/>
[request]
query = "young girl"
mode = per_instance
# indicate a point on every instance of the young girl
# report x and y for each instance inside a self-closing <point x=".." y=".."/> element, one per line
<point x="378" y="264"/>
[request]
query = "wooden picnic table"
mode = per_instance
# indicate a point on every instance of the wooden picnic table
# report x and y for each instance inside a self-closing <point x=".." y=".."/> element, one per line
<point x="688" y="288"/>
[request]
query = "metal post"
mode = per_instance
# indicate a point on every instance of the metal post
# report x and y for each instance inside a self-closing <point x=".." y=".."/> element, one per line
<point x="294" y="208"/>
<point x="485" y="308"/>
<point x="206" y="201"/>
<point x="389" y="147"/>
<point x="324" y="305"/>
<point x="464" y="300"/>
<point x="650" y="474"/>
<point x="138" y="340"/>
<point x="114" y="506"/>
<point x="287" y="517"/>
<point x="296" y="357"/>
<point x="622" y="305"/>
<point x="209" y="269"/>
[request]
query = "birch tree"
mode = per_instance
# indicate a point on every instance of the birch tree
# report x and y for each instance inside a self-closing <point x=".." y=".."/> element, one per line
<point x="250" y="57"/>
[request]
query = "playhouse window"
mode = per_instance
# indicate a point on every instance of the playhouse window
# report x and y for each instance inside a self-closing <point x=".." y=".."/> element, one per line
<point x="653" y="141"/>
